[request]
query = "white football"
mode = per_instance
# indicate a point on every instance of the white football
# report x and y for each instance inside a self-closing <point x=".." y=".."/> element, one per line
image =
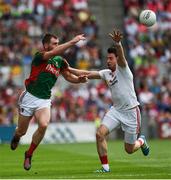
<point x="147" y="17"/>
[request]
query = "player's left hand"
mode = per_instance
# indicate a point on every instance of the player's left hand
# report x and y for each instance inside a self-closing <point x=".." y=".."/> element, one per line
<point x="78" y="38"/>
<point x="82" y="78"/>
<point x="116" y="36"/>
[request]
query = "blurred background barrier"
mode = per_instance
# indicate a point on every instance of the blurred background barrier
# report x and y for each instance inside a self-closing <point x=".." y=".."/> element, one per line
<point x="6" y="133"/>
<point x="64" y="133"/>
<point x="72" y="132"/>
<point x="165" y="130"/>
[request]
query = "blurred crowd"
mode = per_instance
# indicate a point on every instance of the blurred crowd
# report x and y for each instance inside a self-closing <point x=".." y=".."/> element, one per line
<point x="23" y="23"/>
<point x="150" y="57"/>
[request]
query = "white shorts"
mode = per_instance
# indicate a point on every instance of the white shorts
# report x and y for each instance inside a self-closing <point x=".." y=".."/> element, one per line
<point x="28" y="104"/>
<point x="128" y="120"/>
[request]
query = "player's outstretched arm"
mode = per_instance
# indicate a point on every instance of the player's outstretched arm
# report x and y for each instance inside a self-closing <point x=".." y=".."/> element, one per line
<point x="89" y="74"/>
<point x="61" y="48"/>
<point x="73" y="78"/>
<point x="117" y="36"/>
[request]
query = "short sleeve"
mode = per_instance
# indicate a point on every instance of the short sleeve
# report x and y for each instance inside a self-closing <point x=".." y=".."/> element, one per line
<point x="57" y="61"/>
<point x="103" y="73"/>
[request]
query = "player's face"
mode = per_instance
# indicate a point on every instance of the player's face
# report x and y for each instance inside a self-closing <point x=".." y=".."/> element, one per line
<point x="53" y="43"/>
<point x="111" y="61"/>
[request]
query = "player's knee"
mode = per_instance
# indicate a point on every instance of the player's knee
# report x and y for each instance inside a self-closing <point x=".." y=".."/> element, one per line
<point x="21" y="132"/>
<point x="129" y="150"/>
<point x="43" y="126"/>
<point x="99" y="136"/>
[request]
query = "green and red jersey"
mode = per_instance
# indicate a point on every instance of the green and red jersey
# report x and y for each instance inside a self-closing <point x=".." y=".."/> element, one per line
<point x="43" y="75"/>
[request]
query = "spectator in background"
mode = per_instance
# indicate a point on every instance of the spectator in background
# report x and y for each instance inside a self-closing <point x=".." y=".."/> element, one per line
<point x="149" y="51"/>
<point x="33" y="18"/>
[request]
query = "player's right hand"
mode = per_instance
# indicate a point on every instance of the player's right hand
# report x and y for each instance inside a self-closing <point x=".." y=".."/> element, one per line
<point x="116" y="36"/>
<point x="78" y="38"/>
<point x="82" y="78"/>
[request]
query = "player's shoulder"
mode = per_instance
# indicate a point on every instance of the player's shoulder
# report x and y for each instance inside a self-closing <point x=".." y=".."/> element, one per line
<point x="58" y="61"/>
<point x="57" y="58"/>
<point x="124" y="70"/>
<point x="37" y="58"/>
<point x="38" y="53"/>
<point x="105" y="71"/>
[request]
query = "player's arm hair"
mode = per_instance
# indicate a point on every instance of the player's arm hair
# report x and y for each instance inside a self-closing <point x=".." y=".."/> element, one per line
<point x="121" y="55"/>
<point x="89" y="74"/>
<point x="67" y="74"/>
<point x="70" y="77"/>
<point x="58" y="50"/>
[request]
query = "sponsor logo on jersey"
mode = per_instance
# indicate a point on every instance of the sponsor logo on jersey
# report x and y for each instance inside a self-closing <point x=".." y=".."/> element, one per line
<point x="52" y="69"/>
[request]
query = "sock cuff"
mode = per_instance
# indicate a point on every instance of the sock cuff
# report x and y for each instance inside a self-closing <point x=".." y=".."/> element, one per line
<point x="31" y="149"/>
<point x="141" y="141"/>
<point x="106" y="167"/>
<point x="33" y="144"/>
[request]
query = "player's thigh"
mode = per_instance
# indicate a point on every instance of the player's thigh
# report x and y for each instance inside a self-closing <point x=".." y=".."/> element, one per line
<point x="26" y="105"/>
<point x="131" y="121"/>
<point x="43" y="116"/>
<point x="110" y="120"/>
<point x="130" y="140"/>
<point x="23" y="123"/>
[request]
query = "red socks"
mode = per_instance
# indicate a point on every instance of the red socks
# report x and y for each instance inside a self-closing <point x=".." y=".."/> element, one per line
<point x="31" y="149"/>
<point x="104" y="159"/>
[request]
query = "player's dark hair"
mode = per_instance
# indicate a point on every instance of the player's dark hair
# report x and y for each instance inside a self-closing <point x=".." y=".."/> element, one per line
<point x="47" y="37"/>
<point x="112" y="50"/>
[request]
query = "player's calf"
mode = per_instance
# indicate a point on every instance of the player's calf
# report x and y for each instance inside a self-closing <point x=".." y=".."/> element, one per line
<point x="129" y="148"/>
<point x="14" y="142"/>
<point x="129" y="151"/>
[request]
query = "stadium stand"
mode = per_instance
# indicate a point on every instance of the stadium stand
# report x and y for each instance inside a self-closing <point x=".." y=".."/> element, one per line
<point x="149" y="54"/>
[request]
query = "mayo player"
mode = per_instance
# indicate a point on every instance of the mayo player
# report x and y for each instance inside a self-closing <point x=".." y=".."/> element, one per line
<point x="125" y="112"/>
<point x="35" y="101"/>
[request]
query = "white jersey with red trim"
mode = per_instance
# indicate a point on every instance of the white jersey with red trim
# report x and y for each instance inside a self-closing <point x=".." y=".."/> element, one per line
<point x="121" y="86"/>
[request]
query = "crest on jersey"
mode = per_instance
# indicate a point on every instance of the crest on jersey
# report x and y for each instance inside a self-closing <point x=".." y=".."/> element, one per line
<point x="56" y="64"/>
<point x="113" y="81"/>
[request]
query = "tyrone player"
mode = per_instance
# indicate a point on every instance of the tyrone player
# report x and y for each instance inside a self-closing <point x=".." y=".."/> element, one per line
<point x="125" y="112"/>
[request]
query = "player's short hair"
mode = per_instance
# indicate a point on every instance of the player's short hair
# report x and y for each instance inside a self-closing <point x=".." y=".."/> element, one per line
<point x="47" y="37"/>
<point x="112" y="50"/>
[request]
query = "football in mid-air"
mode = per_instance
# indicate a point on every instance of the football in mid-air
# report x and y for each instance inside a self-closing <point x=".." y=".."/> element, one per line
<point x="147" y="17"/>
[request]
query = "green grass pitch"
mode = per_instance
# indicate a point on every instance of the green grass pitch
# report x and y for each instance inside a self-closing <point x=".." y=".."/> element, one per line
<point x="78" y="161"/>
